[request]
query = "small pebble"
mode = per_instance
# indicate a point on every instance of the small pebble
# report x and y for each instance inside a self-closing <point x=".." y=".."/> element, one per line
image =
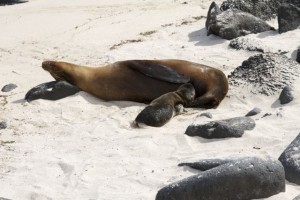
<point x="9" y="87"/>
<point x="3" y="125"/>
<point x="254" y="111"/>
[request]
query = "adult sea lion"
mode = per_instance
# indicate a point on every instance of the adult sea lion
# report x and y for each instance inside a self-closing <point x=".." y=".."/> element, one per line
<point x="162" y="109"/>
<point x="140" y="80"/>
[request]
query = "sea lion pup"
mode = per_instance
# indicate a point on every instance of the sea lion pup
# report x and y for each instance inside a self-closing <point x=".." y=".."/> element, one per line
<point x="143" y="80"/>
<point x="162" y="109"/>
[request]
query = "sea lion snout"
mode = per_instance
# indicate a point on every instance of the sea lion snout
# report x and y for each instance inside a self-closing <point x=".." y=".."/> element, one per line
<point x="48" y="65"/>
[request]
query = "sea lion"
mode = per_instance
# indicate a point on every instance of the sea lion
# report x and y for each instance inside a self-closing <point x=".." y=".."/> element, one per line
<point x="143" y="80"/>
<point x="162" y="109"/>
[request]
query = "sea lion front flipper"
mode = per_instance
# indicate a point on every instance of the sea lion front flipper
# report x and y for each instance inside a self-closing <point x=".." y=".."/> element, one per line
<point x="206" y="164"/>
<point x="158" y="71"/>
<point x="53" y="90"/>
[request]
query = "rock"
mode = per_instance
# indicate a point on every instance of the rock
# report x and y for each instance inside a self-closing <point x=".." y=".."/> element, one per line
<point x="53" y="90"/>
<point x="264" y="9"/>
<point x="3" y="125"/>
<point x="9" y="87"/>
<point x="206" y="114"/>
<point x="298" y="56"/>
<point x="266" y="74"/>
<point x="250" y="44"/>
<point x="297" y="198"/>
<point x="286" y="95"/>
<point x="290" y="160"/>
<point x="253" y="112"/>
<point x="288" y="17"/>
<point x="237" y="179"/>
<point x="234" y="127"/>
<point x="233" y="23"/>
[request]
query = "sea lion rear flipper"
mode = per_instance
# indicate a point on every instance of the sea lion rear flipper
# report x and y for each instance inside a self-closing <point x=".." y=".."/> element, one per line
<point x="158" y="71"/>
<point x="53" y="90"/>
<point x="206" y="164"/>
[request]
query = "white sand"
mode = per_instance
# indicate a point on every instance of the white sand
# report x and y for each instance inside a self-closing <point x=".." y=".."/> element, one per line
<point x="81" y="147"/>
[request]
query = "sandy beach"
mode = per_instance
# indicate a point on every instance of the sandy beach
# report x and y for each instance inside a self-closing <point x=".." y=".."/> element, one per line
<point x="82" y="147"/>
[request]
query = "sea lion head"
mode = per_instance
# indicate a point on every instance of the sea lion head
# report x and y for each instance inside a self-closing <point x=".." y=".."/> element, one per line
<point x="187" y="91"/>
<point x="58" y="70"/>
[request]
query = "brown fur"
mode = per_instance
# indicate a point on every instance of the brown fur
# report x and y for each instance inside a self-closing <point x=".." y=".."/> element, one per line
<point x="118" y="81"/>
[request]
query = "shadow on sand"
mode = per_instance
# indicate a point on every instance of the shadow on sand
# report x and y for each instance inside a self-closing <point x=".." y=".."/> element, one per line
<point x="11" y="2"/>
<point x="203" y="39"/>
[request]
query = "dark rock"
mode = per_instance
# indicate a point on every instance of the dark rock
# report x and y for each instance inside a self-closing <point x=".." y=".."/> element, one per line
<point x="53" y="90"/>
<point x="234" y="127"/>
<point x="206" y="114"/>
<point x="290" y="160"/>
<point x="3" y="125"/>
<point x="298" y="56"/>
<point x="286" y="95"/>
<point x="264" y="9"/>
<point x="266" y="74"/>
<point x="288" y="17"/>
<point x="238" y="179"/>
<point x="9" y="87"/>
<point x="297" y="198"/>
<point x="233" y="23"/>
<point x="253" y="112"/>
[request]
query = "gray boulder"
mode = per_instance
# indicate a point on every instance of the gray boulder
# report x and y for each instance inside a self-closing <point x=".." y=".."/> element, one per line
<point x="233" y="23"/>
<point x="288" y="17"/>
<point x="234" y="127"/>
<point x="290" y="160"/>
<point x="238" y="179"/>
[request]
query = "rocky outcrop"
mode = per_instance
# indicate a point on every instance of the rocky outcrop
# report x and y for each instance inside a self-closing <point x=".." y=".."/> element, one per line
<point x="250" y="44"/>
<point x="288" y="17"/>
<point x="266" y="74"/>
